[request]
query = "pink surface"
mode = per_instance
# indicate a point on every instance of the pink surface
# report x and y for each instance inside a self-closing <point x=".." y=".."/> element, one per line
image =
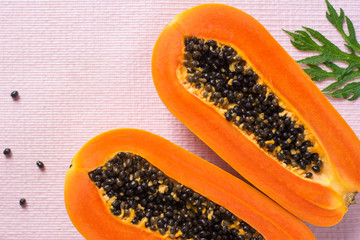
<point x="82" y="68"/>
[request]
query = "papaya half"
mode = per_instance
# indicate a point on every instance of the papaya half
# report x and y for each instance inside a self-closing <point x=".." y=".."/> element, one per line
<point x="222" y="74"/>
<point x="132" y="184"/>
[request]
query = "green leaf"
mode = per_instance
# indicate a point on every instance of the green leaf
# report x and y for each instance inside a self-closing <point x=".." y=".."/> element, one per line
<point x="350" y="92"/>
<point x="344" y="75"/>
<point x="338" y="22"/>
<point x="334" y="18"/>
<point x="309" y="39"/>
<point x="319" y="74"/>
<point x="351" y="39"/>
<point x="302" y="41"/>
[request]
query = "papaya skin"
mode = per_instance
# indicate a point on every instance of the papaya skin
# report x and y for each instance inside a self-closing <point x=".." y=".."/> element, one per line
<point x="319" y="203"/>
<point x="92" y="218"/>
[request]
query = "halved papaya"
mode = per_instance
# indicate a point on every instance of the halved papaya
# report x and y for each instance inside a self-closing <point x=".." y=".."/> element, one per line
<point x="131" y="184"/>
<point x="222" y="74"/>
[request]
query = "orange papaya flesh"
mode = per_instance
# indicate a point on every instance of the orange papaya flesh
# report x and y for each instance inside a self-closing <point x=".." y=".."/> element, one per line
<point x="131" y="184"/>
<point x="222" y="74"/>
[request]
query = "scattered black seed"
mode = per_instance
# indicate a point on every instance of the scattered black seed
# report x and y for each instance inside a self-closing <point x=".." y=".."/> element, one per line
<point x="319" y="163"/>
<point x="302" y="165"/>
<point x="14" y="94"/>
<point x="40" y="164"/>
<point x="315" y="157"/>
<point x="316" y="169"/>
<point x="22" y="202"/>
<point x="271" y="147"/>
<point x="227" y="81"/>
<point x="309" y="175"/>
<point x="134" y="185"/>
<point x="280" y="156"/>
<point x="7" y="151"/>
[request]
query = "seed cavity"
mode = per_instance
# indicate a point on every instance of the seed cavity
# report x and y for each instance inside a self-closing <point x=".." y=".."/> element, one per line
<point x="139" y="193"/>
<point x="220" y="77"/>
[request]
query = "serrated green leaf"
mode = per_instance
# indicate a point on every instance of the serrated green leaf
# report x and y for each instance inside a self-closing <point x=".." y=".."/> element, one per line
<point x="352" y="51"/>
<point x="338" y="22"/>
<point x="329" y="53"/>
<point x="318" y="74"/>
<point x="352" y="36"/>
<point x="350" y="92"/>
<point x="352" y="75"/>
<point x="326" y="43"/>
<point x="314" y="59"/>
<point x="334" y="18"/>
<point x="302" y="41"/>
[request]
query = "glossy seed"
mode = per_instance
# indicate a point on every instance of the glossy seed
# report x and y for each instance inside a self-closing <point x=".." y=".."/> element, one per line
<point x="40" y="164"/>
<point x="293" y="163"/>
<point x="22" y="202"/>
<point x="316" y="169"/>
<point x="271" y="147"/>
<point x="14" y="94"/>
<point x="280" y="156"/>
<point x="314" y="156"/>
<point x="7" y="151"/>
<point x="319" y="163"/>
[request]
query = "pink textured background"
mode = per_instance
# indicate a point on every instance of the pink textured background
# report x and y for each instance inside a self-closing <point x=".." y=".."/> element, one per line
<point x="83" y="67"/>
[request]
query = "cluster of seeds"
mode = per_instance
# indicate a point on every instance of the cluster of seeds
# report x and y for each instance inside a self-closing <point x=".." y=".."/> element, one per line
<point x="138" y="192"/>
<point x="223" y="78"/>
